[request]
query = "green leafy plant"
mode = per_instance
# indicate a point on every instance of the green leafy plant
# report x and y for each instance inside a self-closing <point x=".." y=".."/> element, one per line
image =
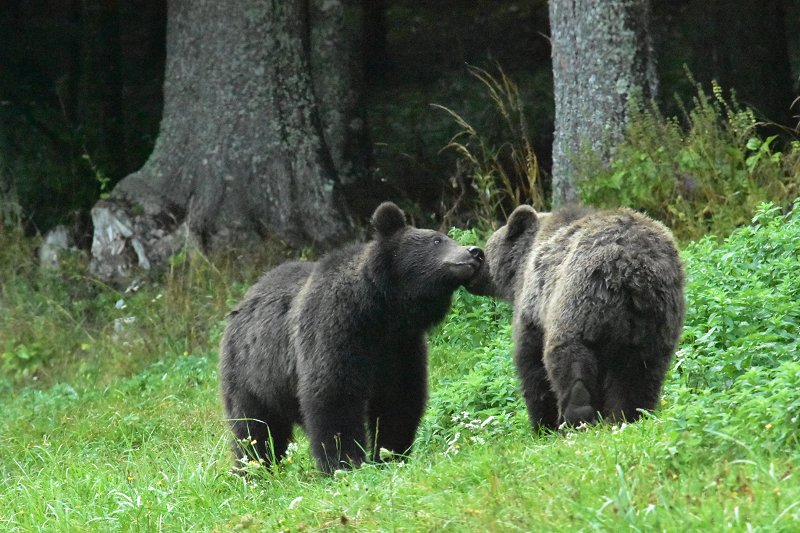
<point x="103" y="181"/>
<point x="741" y="341"/>
<point x="701" y="173"/>
<point x="21" y="359"/>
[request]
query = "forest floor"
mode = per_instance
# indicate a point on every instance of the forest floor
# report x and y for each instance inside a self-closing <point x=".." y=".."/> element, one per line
<point x="112" y="419"/>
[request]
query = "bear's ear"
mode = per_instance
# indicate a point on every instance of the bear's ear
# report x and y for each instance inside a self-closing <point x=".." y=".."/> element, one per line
<point x="520" y="220"/>
<point x="388" y="218"/>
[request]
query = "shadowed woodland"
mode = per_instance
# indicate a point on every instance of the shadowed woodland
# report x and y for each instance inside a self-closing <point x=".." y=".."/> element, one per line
<point x="82" y="91"/>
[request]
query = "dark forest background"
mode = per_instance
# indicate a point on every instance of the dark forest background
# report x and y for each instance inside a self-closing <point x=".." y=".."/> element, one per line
<point x="81" y="87"/>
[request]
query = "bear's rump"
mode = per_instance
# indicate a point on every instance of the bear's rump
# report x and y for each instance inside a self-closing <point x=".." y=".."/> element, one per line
<point x="613" y="304"/>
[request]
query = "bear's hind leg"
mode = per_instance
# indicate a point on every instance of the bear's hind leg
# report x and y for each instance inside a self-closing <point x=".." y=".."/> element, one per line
<point x="573" y="371"/>
<point x="258" y="435"/>
<point x="539" y="399"/>
<point x="633" y="385"/>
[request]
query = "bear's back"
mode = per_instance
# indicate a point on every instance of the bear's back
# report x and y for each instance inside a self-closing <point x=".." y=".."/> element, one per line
<point x="620" y="243"/>
<point x="627" y="249"/>
<point x="257" y="361"/>
<point x="279" y="284"/>
<point x="337" y="287"/>
<point x="607" y="274"/>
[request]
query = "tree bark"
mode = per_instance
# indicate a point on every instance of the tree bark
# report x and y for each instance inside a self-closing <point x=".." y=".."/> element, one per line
<point x="602" y="55"/>
<point x="251" y="141"/>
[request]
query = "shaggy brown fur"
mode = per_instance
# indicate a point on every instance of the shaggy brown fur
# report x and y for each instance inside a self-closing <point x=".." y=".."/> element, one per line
<point x="598" y="309"/>
<point x="339" y="345"/>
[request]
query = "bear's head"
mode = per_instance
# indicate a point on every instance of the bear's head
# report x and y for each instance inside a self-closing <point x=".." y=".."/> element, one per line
<point x="422" y="264"/>
<point x="506" y="251"/>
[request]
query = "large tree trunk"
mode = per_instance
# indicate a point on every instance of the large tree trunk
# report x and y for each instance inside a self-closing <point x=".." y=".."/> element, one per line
<point x="246" y="147"/>
<point x="602" y="55"/>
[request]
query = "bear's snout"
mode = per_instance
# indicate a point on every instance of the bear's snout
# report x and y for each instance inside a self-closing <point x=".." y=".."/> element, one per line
<point x="468" y="264"/>
<point x="476" y="252"/>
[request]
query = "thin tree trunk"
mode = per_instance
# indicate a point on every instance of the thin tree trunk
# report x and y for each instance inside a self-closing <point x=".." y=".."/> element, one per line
<point x="246" y="147"/>
<point x="602" y="55"/>
<point x="9" y="206"/>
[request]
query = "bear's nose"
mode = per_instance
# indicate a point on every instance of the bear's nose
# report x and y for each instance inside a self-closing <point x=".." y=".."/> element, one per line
<point x="475" y="252"/>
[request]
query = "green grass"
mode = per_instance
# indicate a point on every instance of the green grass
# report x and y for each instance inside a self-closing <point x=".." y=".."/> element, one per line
<point x="127" y="434"/>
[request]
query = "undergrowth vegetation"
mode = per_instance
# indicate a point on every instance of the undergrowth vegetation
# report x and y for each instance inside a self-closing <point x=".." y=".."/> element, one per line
<point x="501" y="176"/>
<point x="741" y="340"/>
<point x="57" y="321"/>
<point x="703" y="172"/>
<point x="111" y="417"/>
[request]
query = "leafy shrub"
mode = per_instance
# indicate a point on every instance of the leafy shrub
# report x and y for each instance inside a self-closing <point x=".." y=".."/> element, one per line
<point x="743" y="297"/>
<point x="736" y="378"/>
<point x="761" y="408"/>
<point x="701" y="174"/>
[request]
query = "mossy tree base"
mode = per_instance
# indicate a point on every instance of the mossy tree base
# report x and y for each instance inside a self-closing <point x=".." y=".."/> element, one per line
<point x="242" y="151"/>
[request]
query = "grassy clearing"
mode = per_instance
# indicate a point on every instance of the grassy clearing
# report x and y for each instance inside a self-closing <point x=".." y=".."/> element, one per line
<point x="123" y="430"/>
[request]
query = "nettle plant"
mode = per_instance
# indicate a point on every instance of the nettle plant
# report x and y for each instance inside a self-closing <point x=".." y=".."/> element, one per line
<point x="743" y="297"/>
<point x="735" y="377"/>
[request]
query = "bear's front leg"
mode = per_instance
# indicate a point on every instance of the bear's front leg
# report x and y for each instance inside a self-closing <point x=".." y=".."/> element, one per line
<point x="399" y="396"/>
<point x="539" y="398"/>
<point x="334" y="421"/>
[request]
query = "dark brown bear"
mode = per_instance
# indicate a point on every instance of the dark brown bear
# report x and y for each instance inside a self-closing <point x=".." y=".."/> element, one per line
<point x="339" y="345"/>
<point x="598" y="309"/>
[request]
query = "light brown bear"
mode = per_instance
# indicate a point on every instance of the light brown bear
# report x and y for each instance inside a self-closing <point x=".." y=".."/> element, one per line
<point x="598" y="308"/>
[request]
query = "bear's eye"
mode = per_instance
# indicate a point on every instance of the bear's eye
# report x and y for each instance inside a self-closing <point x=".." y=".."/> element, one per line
<point x="437" y="240"/>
